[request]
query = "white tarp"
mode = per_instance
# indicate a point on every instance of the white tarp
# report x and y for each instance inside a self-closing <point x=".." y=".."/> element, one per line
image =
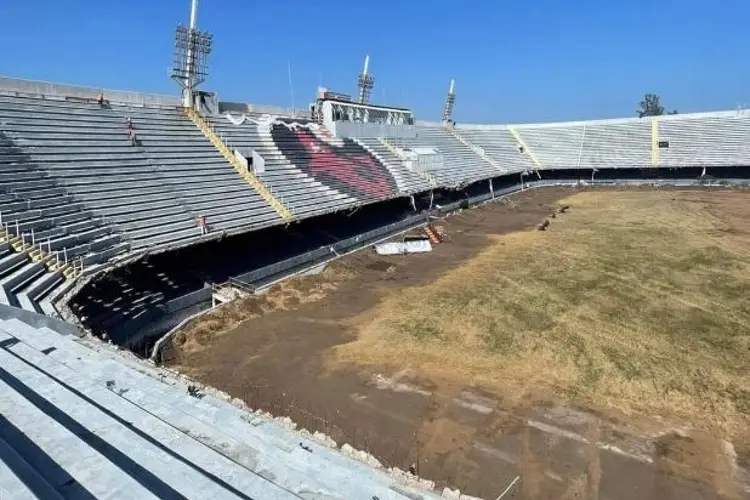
<point x="402" y="247"/>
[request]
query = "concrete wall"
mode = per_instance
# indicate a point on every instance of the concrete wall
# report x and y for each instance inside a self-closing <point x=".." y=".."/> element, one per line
<point x="349" y="129"/>
<point x="260" y="277"/>
<point x="161" y="318"/>
<point x="39" y="320"/>
<point x="242" y="107"/>
<point x="61" y="91"/>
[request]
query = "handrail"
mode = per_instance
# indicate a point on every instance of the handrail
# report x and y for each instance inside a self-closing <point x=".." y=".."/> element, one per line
<point x="476" y="149"/>
<point x="37" y="253"/>
<point x="263" y="190"/>
<point x="517" y="136"/>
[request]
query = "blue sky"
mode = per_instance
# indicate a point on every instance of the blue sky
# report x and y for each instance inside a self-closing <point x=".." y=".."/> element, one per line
<point x="513" y="61"/>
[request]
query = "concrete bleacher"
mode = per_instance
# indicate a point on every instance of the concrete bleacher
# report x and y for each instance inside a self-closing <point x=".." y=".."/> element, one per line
<point x="499" y="145"/>
<point x="80" y="420"/>
<point x="461" y="164"/>
<point x="43" y="226"/>
<point x="152" y="191"/>
<point x="555" y="147"/>
<point x="85" y="148"/>
<point x="300" y="192"/>
<point x="312" y="172"/>
<point x="408" y="181"/>
<point x="198" y="174"/>
<point x="720" y="139"/>
<point x="617" y="145"/>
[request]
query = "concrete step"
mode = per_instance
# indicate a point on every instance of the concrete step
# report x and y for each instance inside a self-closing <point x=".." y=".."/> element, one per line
<point x="84" y="248"/>
<point x="29" y="297"/>
<point x="38" y="224"/>
<point x="31" y="204"/>
<point x="57" y="231"/>
<point x="104" y="255"/>
<point x="165" y="231"/>
<point x="11" y="262"/>
<point x="137" y="207"/>
<point x="25" y="167"/>
<point x="45" y="193"/>
<point x="18" y="279"/>
<point x="72" y="240"/>
<point x="18" y="477"/>
<point x="21" y="176"/>
<point x="131" y="222"/>
<point x="174" y="237"/>
<point x="95" y="193"/>
<point x="34" y="185"/>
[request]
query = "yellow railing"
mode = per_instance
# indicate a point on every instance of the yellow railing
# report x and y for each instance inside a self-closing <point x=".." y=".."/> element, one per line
<point x="393" y="149"/>
<point x="526" y="149"/>
<point x="390" y="147"/>
<point x="476" y="149"/>
<point x="36" y="254"/>
<point x="654" y="143"/>
<point x="244" y="172"/>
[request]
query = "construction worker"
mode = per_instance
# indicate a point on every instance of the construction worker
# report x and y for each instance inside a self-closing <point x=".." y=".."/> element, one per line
<point x="202" y="224"/>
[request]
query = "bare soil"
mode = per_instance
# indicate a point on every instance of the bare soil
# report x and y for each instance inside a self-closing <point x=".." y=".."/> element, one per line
<point x="603" y="358"/>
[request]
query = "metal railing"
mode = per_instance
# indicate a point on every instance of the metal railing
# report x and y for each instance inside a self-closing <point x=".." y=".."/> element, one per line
<point x="224" y="148"/>
<point x="40" y="250"/>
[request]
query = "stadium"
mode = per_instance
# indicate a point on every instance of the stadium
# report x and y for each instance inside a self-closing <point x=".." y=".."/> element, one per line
<point x="213" y="299"/>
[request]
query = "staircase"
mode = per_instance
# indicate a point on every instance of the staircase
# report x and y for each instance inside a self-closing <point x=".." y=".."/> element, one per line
<point x="29" y="275"/>
<point x="393" y="149"/>
<point x="526" y="149"/>
<point x="36" y="253"/>
<point x="476" y="149"/>
<point x="397" y="153"/>
<point x="433" y="234"/>
<point x="248" y="176"/>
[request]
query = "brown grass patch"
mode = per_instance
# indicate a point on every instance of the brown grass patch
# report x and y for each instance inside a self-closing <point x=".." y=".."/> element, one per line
<point x="633" y="300"/>
<point x="287" y="295"/>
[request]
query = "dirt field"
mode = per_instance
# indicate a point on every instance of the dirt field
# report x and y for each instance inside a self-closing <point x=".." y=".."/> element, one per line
<point x="604" y="358"/>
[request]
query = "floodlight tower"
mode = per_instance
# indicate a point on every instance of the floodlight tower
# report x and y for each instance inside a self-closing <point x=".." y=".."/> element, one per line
<point x="365" y="83"/>
<point x="450" y="100"/>
<point x="191" y="50"/>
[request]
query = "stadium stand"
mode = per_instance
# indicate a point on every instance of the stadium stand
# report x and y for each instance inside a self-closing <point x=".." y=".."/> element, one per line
<point x="153" y="189"/>
<point x="718" y="139"/>
<point x="500" y="145"/>
<point x="617" y="145"/>
<point x="80" y="420"/>
<point x="304" y="194"/>
<point x="461" y="164"/>
<point x="309" y="193"/>
<point x="95" y="185"/>
<point x="339" y="163"/>
<point x="408" y="180"/>
<point x="554" y="146"/>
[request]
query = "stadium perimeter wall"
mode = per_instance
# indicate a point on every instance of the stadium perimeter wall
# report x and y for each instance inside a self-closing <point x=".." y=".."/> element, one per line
<point x="61" y="90"/>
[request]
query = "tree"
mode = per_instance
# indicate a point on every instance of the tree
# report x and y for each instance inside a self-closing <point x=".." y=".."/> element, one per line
<point x="651" y="106"/>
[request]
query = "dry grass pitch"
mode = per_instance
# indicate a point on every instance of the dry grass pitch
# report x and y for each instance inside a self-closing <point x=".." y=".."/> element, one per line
<point x="635" y="301"/>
